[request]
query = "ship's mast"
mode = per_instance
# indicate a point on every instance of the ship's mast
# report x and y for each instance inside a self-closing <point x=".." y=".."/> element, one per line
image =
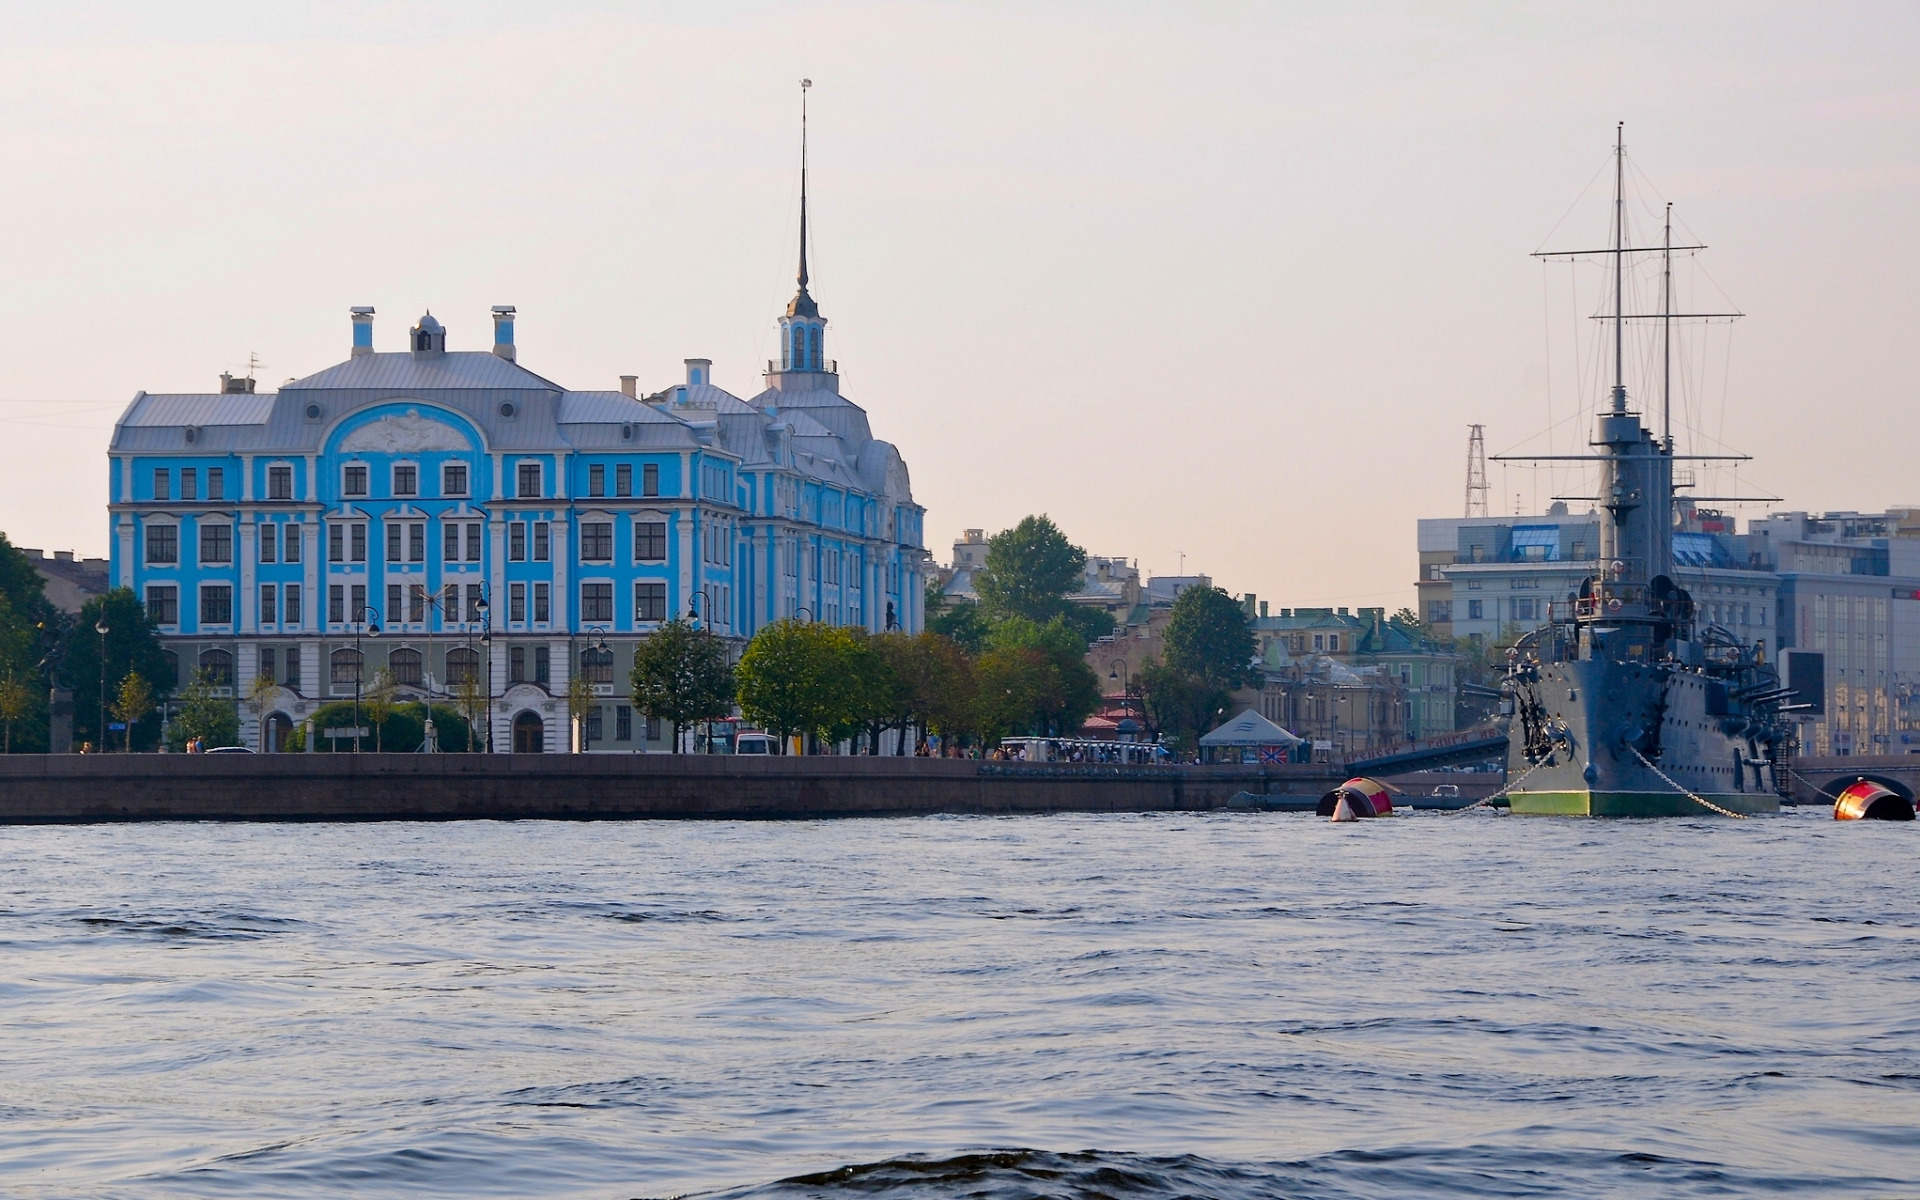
<point x="1666" y="332"/>
<point x="1619" y="266"/>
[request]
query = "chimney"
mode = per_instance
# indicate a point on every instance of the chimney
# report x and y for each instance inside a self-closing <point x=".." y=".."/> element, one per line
<point x="362" y="329"/>
<point x="630" y="386"/>
<point x="503" y="331"/>
<point x="699" y="371"/>
<point x="1263" y="608"/>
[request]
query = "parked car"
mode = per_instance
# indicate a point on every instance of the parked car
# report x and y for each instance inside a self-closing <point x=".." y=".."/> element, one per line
<point x="754" y="743"/>
<point x="230" y="750"/>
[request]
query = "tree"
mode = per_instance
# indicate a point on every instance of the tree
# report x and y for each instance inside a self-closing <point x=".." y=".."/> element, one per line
<point x="800" y="677"/>
<point x="1180" y="704"/>
<point x="29" y="629"/>
<point x="580" y="700"/>
<point x="1207" y="637"/>
<point x="203" y="713"/>
<point x="133" y="647"/>
<point x="132" y="703"/>
<point x="16" y="701"/>
<point x="1030" y="571"/>
<point x="959" y="621"/>
<point x="471" y="699"/>
<point x="260" y="696"/>
<point x="935" y="677"/>
<point x="681" y="674"/>
<point x="1408" y="619"/>
<point x="378" y="700"/>
<point x="1067" y="692"/>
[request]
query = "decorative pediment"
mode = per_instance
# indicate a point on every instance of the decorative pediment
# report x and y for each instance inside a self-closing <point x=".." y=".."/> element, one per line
<point x="408" y="433"/>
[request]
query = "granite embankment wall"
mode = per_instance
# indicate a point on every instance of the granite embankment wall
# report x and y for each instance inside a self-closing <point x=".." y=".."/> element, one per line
<point x="381" y="787"/>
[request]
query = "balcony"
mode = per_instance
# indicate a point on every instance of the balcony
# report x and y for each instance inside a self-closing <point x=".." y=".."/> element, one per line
<point x="830" y="367"/>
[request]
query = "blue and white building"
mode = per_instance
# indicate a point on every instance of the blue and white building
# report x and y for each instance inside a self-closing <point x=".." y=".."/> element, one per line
<point x="499" y="528"/>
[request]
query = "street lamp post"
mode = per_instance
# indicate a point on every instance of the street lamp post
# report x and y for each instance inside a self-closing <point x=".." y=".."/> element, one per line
<point x="486" y="650"/>
<point x="801" y="608"/>
<point x="693" y="618"/>
<point x="371" y="629"/>
<point x="599" y="646"/>
<point x="101" y="628"/>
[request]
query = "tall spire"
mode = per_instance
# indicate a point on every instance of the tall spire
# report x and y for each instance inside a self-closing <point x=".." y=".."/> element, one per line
<point x="803" y="305"/>
<point x="804" y="85"/>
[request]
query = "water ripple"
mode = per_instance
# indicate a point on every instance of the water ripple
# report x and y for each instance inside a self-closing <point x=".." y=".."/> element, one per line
<point x="1230" y="1005"/>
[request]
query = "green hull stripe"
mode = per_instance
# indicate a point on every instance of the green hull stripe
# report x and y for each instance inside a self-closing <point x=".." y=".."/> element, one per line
<point x="1635" y="804"/>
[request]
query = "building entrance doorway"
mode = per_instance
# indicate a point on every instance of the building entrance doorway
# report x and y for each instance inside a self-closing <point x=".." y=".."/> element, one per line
<point x="529" y="734"/>
<point x="279" y="729"/>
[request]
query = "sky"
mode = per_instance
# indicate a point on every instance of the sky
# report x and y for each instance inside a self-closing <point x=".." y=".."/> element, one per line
<point x="1218" y="287"/>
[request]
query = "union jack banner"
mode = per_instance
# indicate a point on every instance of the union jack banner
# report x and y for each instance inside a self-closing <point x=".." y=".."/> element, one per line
<point x="1273" y="754"/>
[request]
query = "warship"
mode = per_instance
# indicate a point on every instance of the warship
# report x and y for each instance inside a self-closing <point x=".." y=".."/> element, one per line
<point x="1626" y="703"/>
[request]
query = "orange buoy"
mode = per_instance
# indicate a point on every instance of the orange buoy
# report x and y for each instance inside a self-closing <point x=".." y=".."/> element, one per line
<point x="1361" y="797"/>
<point x="1865" y="800"/>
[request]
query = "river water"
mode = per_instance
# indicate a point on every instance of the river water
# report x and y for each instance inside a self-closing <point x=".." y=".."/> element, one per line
<point x="1139" y="1006"/>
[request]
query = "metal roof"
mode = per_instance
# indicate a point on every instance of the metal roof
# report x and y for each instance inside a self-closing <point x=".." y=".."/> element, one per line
<point x="152" y="409"/>
<point x="404" y="371"/>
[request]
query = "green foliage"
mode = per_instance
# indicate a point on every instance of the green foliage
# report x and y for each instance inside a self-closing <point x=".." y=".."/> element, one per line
<point x="377" y="700"/>
<point x="133" y="647"/>
<point x="402" y="732"/>
<point x="16" y="704"/>
<point x="959" y="621"/>
<point x="797" y="677"/>
<point x="937" y="678"/>
<point x="202" y="712"/>
<point x="1207" y="638"/>
<point x="1181" y="705"/>
<point x="21" y="585"/>
<point x="132" y="702"/>
<point x="29" y="626"/>
<point x="471" y="699"/>
<point x="681" y="674"/>
<point x="1030" y="571"/>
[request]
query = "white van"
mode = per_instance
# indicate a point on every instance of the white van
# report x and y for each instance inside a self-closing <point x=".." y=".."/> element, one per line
<point x="753" y="743"/>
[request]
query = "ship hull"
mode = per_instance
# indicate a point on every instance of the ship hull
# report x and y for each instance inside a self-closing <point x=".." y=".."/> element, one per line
<point x="1584" y="803"/>
<point x="1600" y="711"/>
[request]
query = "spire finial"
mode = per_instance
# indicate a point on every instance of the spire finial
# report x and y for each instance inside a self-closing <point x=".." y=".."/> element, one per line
<point x="804" y="85"/>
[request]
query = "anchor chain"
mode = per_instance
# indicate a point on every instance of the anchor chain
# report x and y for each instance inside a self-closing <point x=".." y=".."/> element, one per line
<point x="1700" y="800"/>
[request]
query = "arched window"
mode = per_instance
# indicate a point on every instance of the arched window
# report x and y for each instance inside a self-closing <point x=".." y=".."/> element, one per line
<point x="346" y="667"/>
<point x="217" y="666"/>
<point x="405" y="665"/>
<point x="813" y="345"/>
<point x="799" y="348"/>
<point x="463" y="666"/>
<point x="597" y="665"/>
<point x="423" y="340"/>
